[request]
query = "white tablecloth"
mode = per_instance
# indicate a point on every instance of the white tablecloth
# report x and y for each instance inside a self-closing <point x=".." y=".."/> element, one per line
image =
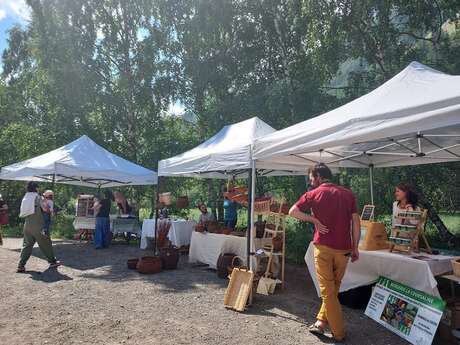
<point x="418" y="274"/>
<point x="179" y="234"/>
<point x="206" y="247"/>
<point x="84" y="223"/>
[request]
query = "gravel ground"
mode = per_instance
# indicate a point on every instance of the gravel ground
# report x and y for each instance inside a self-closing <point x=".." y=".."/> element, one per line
<point x="94" y="299"/>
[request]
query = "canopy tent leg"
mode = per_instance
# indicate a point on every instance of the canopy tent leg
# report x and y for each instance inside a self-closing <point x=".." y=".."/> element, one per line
<point x="157" y="214"/>
<point x="249" y="221"/>
<point x="371" y="182"/>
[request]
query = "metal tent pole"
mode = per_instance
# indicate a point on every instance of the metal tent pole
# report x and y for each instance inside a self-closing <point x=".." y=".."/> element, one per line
<point x="249" y="232"/>
<point x="253" y="197"/>
<point x="157" y="215"/>
<point x="371" y="182"/>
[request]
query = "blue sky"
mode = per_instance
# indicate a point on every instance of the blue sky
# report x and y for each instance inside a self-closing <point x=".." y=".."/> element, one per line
<point x="11" y="12"/>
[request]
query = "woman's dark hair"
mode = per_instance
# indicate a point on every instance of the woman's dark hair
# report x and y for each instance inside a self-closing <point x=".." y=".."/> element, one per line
<point x="32" y="186"/>
<point x="109" y="195"/>
<point x="321" y="170"/>
<point x="411" y="193"/>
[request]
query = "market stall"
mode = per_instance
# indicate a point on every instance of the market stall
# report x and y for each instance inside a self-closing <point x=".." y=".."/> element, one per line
<point x="417" y="270"/>
<point x="414" y="118"/>
<point x="226" y="155"/>
<point x="84" y="163"/>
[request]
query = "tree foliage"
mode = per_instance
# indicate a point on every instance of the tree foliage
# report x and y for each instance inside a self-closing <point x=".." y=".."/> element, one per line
<point x="110" y="69"/>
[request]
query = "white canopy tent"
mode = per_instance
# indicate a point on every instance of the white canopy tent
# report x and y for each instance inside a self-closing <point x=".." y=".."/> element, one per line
<point x="226" y="154"/>
<point x="83" y="163"/>
<point x="414" y="118"/>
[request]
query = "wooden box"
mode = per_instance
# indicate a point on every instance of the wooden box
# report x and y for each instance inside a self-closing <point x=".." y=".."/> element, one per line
<point x="375" y="236"/>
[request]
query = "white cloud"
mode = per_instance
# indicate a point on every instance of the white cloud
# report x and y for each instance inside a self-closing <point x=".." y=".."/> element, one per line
<point x="16" y="9"/>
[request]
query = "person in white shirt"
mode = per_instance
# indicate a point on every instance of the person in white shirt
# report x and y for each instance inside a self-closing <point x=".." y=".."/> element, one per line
<point x="406" y="200"/>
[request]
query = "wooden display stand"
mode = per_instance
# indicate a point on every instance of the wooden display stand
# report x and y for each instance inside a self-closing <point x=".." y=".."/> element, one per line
<point x="276" y="227"/>
<point x="85" y="204"/>
<point x="84" y="208"/>
<point x="405" y="237"/>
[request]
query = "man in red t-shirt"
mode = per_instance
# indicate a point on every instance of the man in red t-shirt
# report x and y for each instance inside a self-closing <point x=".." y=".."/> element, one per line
<point x="337" y="230"/>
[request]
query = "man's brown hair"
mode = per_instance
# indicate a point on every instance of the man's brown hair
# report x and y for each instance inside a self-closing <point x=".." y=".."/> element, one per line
<point x="321" y="170"/>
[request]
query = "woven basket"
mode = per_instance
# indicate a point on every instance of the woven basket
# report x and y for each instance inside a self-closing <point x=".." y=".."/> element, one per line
<point x="149" y="265"/>
<point x="262" y="205"/>
<point x="165" y="198"/>
<point x="212" y="226"/>
<point x="275" y="207"/>
<point x="182" y="201"/>
<point x="169" y="257"/>
<point x="240" y="199"/>
<point x="241" y="189"/>
<point x="227" y="231"/>
<point x="200" y="228"/>
<point x="132" y="263"/>
<point x="224" y="261"/>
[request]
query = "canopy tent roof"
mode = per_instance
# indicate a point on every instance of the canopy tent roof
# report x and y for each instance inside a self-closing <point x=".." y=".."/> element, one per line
<point x="83" y="163"/>
<point x="226" y="154"/>
<point x="414" y="118"/>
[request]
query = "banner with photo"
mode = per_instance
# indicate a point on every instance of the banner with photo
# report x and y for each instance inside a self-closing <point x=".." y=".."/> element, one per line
<point x="410" y="313"/>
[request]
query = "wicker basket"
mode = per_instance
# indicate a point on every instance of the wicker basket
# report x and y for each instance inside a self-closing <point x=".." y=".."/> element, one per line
<point x="182" y="201"/>
<point x="169" y="257"/>
<point x="227" y="231"/>
<point x="240" y="189"/>
<point x="275" y="207"/>
<point x="240" y="199"/>
<point x="212" y="226"/>
<point x="456" y="267"/>
<point x="132" y="263"/>
<point x="149" y="265"/>
<point x="200" y="228"/>
<point x="224" y="261"/>
<point x="165" y="198"/>
<point x="262" y="205"/>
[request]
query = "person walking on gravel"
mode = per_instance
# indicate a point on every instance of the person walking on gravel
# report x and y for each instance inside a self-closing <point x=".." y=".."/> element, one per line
<point x="336" y="238"/>
<point x="32" y="208"/>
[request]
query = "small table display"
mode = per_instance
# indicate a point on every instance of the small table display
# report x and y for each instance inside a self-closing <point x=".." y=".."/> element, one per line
<point x="405" y="235"/>
<point x="84" y="221"/>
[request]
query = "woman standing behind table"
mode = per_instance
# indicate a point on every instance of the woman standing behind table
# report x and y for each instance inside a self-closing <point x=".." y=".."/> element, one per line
<point x="205" y="216"/>
<point x="32" y="207"/>
<point x="406" y="200"/>
<point x="102" y="236"/>
<point x="230" y="215"/>
<point x="123" y="206"/>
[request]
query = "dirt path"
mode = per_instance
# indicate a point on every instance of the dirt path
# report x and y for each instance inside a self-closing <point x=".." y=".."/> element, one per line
<point x="94" y="299"/>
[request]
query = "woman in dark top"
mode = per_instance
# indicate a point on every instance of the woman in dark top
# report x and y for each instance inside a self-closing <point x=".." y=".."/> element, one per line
<point x="102" y="236"/>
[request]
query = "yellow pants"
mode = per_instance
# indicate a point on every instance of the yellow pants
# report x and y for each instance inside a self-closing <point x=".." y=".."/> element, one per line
<point x="330" y="267"/>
